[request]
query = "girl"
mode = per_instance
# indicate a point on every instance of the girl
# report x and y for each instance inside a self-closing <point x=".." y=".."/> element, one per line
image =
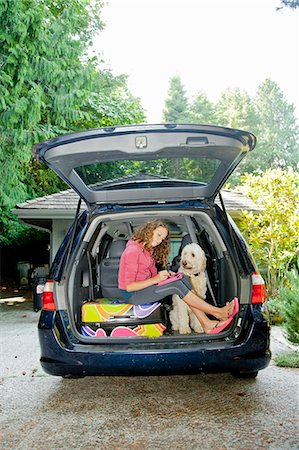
<point x="138" y="278"/>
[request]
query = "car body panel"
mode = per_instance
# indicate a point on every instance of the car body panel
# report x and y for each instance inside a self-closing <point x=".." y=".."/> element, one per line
<point x="60" y="356"/>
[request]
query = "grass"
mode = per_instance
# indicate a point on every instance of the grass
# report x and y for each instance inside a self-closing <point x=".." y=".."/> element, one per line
<point x="287" y="359"/>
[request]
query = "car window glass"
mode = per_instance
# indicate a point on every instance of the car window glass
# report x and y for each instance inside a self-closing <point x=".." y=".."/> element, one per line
<point x="190" y="169"/>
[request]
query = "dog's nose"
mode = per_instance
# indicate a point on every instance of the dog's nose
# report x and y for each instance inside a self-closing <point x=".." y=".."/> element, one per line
<point x="184" y="263"/>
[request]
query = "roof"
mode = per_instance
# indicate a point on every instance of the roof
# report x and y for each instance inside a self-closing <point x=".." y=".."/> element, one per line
<point x="66" y="201"/>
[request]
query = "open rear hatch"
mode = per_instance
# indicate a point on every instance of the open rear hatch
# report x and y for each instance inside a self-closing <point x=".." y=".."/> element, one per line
<point x="151" y="162"/>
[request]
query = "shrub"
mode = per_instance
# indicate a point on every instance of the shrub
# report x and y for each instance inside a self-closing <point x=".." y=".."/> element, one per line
<point x="289" y="306"/>
<point x="273" y="234"/>
<point x="274" y="309"/>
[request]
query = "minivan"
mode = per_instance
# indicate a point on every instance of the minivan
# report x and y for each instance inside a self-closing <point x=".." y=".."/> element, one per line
<point x="125" y="176"/>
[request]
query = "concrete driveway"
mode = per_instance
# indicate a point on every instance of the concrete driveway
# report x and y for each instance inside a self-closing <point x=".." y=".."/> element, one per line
<point x="218" y="412"/>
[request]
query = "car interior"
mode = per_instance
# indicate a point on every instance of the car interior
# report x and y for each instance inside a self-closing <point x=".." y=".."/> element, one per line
<point x="94" y="277"/>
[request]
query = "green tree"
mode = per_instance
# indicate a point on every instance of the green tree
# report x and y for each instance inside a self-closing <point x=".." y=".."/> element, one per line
<point x="273" y="235"/>
<point x="112" y="104"/>
<point x="276" y="130"/>
<point x="270" y="117"/>
<point x="235" y="109"/>
<point x="202" y="110"/>
<point x="176" y="104"/>
<point x="49" y="86"/>
<point x="293" y="4"/>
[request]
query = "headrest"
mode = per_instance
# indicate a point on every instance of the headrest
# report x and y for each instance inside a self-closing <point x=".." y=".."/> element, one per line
<point x="116" y="248"/>
<point x="185" y="241"/>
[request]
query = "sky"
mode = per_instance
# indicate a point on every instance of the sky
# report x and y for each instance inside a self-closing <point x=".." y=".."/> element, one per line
<point x="213" y="45"/>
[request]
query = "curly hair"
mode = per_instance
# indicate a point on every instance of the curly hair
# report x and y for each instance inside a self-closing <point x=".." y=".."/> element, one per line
<point x="144" y="235"/>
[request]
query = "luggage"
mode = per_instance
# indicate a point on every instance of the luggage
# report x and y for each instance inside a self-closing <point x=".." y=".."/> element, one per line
<point x="111" y="317"/>
<point x="39" y="278"/>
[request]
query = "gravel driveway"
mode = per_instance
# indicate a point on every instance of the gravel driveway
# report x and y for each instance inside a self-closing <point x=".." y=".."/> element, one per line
<point x="218" y="412"/>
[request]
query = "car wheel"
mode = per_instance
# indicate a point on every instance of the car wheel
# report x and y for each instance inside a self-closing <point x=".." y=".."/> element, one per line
<point x="239" y="374"/>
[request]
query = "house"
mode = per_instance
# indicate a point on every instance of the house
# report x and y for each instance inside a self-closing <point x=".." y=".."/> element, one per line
<point x="55" y="213"/>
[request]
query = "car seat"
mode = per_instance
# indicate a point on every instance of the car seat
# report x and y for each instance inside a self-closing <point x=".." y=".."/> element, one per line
<point x="109" y="269"/>
<point x="176" y="260"/>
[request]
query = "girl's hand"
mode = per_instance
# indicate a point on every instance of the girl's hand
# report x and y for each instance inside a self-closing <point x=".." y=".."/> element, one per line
<point x="138" y="285"/>
<point x="162" y="276"/>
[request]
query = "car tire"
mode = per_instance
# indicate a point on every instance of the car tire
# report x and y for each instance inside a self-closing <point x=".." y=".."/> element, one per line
<point x="248" y="375"/>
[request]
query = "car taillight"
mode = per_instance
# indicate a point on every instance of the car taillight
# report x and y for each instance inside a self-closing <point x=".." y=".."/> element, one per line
<point x="48" y="297"/>
<point x="258" y="289"/>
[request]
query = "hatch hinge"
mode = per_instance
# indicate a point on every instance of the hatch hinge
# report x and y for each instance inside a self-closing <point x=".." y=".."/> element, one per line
<point x="211" y="204"/>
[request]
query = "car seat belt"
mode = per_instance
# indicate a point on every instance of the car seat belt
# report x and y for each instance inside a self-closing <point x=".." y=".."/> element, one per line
<point x="192" y="234"/>
<point x="210" y="288"/>
<point x="90" y="277"/>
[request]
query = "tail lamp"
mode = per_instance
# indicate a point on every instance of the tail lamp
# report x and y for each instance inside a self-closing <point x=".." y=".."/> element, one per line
<point x="258" y="289"/>
<point x="48" y="297"/>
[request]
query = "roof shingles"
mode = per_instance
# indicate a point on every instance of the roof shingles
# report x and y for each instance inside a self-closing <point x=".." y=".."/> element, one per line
<point x="67" y="200"/>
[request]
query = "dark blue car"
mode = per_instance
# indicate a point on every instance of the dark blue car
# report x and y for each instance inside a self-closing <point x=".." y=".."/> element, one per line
<point x="126" y="176"/>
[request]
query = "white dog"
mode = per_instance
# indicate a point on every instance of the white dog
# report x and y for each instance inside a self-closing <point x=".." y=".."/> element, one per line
<point x="193" y="263"/>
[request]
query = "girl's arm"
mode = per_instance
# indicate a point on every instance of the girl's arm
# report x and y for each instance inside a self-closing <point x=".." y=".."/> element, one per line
<point x="138" y="285"/>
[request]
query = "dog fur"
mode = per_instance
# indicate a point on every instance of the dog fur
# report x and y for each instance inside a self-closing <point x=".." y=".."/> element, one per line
<point x="193" y="264"/>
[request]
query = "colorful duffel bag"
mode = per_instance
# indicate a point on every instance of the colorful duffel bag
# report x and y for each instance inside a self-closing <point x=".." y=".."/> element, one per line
<point x="112" y="317"/>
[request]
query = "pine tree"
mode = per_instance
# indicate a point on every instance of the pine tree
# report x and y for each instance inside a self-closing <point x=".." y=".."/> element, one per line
<point x="176" y="105"/>
<point x="277" y="130"/>
<point x="235" y="109"/>
<point x="202" y="110"/>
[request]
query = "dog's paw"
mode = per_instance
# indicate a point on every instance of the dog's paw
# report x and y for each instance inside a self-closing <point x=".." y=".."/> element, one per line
<point x="185" y="330"/>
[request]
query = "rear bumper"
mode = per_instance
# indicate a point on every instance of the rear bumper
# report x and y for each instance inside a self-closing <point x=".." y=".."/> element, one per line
<point x="61" y="357"/>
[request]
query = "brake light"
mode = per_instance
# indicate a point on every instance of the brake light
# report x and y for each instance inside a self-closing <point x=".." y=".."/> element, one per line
<point x="48" y="297"/>
<point x="258" y="289"/>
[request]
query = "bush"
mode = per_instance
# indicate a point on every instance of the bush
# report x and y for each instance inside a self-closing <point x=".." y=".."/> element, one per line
<point x="273" y="235"/>
<point x="289" y="306"/>
<point x="274" y="308"/>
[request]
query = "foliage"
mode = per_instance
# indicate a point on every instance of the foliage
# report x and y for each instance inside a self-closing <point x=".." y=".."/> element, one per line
<point x="287" y="359"/>
<point x="117" y="108"/>
<point x="289" y="306"/>
<point x="49" y="86"/>
<point x="268" y="115"/>
<point x="273" y="235"/>
<point x="293" y="4"/>
<point x="276" y="130"/>
<point x="176" y="104"/>
<point x="202" y="110"/>
<point x="273" y="307"/>
<point x="235" y="109"/>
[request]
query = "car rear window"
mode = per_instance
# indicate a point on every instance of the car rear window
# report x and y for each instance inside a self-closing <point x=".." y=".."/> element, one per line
<point x="167" y="170"/>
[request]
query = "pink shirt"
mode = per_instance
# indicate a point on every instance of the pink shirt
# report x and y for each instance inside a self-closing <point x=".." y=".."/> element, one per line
<point x="136" y="264"/>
